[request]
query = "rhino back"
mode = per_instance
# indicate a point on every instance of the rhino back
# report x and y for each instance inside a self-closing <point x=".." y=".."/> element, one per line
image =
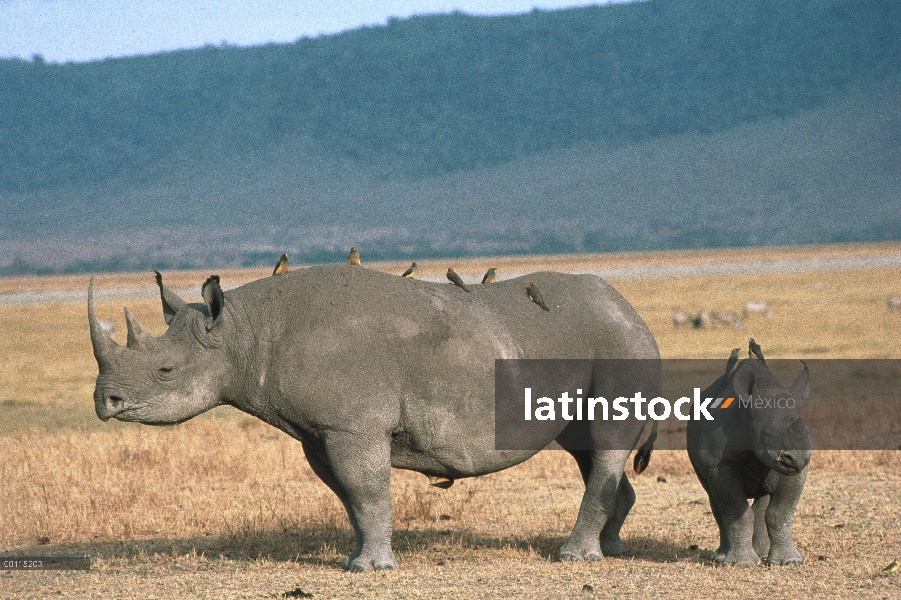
<point x="351" y="347"/>
<point x="589" y="319"/>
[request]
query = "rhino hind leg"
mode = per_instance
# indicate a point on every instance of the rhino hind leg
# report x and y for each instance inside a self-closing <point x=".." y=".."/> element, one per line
<point x="365" y="493"/>
<point x="583" y="460"/>
<point x="611" y="544"/>
<point x="761" y="540"/>
<point x="598" y="506"/>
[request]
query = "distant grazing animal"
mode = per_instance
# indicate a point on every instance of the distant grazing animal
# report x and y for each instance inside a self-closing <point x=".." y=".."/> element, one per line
<point x="282" y="266"/>
<point x="753" y="450"/>
<point x="354" y="257"/>
<point x="680" y="318"/>
<point x="369" y="373"/>
<point x="455" y="279"/>
<point x="726" y="318"/>
<point x="489" y="275"/>
<point x="701" y="321"/>
<point x="412" y="271"/>
<point x="535" y="295"/>
<point x="756" y="308"/>
<point x="894" y="302"/>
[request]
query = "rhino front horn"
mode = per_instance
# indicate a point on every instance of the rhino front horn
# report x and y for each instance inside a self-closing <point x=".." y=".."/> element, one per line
<point x="138" y="337"/>
<point x="104" y="345"/>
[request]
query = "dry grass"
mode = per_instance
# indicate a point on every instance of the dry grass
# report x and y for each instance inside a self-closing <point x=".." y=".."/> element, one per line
<point x="226" y="507"/>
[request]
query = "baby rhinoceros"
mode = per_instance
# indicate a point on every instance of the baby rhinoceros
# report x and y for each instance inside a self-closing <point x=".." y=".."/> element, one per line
<point x="757" y="448"/>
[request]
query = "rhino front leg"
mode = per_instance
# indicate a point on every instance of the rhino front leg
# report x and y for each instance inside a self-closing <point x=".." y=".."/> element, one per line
<point x="362" y="469"/>
<point x="780" y="516"/>
<point x="317" y="461"/>
<point x="720" y="554"/>
<point x="761" y="540"/>
<point x="598" y="506"/>
<point x="736" y="522"/>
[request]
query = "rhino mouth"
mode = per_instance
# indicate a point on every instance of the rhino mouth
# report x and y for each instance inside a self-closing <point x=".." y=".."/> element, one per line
<point x="790" y="463"/>
<point x="117" y="407"/>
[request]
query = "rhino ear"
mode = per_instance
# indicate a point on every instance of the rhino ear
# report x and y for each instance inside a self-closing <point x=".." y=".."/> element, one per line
<point x="215" y="300"/>
<point x="743" y="381"/>
<point x="171" y="301"/>
<point x="801" y="386"/>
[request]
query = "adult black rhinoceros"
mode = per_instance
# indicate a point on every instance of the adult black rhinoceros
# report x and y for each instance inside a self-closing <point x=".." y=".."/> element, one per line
<point x="372" y="371"/>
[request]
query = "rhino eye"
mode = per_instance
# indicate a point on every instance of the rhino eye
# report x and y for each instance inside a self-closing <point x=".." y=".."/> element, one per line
<point x="164" y="371"/>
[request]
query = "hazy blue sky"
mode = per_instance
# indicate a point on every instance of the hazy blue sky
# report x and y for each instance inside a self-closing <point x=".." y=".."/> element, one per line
<point x="80" y="30"/>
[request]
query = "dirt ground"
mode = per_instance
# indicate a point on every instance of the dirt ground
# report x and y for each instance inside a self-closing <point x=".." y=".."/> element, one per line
<point x="224" y="506"/>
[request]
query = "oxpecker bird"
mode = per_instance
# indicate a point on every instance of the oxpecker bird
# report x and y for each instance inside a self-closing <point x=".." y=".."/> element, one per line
<point x="354" y="257"/>
<point x="455" y="279"/>
<point x="730" y="364"/>
<point x="489" y="275"/>
<point x="535" y="295"/>
<point x="411" y="272"/>
<point x="282" y="266"/>
<point x="754" y="350"/>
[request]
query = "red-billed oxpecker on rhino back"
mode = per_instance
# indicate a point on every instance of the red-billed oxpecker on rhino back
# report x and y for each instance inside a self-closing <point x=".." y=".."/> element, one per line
<point x="371" y="371"/>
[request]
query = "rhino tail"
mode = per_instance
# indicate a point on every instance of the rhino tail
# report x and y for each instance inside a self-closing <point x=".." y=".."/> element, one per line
<point x="643" y="456"/>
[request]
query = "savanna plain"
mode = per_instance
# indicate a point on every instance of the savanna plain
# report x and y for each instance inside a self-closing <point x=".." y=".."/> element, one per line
<point x="224" y="506"/>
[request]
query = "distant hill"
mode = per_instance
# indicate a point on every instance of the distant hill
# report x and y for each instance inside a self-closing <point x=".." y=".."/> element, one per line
<point x="641" y="126"/>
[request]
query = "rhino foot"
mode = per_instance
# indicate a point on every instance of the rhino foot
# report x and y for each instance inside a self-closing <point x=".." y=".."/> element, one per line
<point x="612" y="546"/>
<point x="571" y="551"/>
<point x="573" y="556"/>
<point x="741" y="558"/>
<point x="368" y="563"/>
<point x="784" y="556"/>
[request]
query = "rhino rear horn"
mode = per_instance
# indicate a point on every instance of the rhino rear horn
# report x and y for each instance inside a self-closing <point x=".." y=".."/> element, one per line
<point x="172" y="302"/>
<point x="104" y="346"/>
<point x="138" y="337"/>
<point x="215" y="300"/>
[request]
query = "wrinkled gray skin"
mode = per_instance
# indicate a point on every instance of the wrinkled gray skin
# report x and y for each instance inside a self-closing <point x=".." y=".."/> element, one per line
<point x="757" y="453"/>
<point x="371" y="371"/>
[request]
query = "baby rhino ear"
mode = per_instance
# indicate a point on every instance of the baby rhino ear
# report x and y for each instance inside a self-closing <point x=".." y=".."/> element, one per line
<point x="214" y="299"/>
<point x="801" y="386"/>
<point x="743" y="381"/>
